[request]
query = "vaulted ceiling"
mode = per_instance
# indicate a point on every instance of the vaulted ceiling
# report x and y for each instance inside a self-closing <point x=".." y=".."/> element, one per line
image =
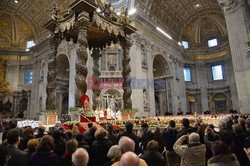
<point x="35" y="12"/>
<point x="174" y="15"/>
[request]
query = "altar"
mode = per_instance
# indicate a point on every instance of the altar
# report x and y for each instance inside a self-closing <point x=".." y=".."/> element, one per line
<point x="48" y="119"/>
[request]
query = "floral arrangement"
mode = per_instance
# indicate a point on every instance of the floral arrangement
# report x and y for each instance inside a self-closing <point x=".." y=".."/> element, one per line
<point x="71" y="123"/>
<point x="76" y="110"/>
<point x="88" y="113"/>
<point x="49" y="111"/>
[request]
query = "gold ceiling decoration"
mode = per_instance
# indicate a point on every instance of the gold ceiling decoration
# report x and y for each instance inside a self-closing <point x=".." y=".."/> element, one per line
<point x="209" y="56"/>
<point x="4" y="86"/>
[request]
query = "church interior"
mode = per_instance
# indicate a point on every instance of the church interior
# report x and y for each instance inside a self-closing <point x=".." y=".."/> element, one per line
<point x="124" y="82"/>
<point x="158" y="57"/>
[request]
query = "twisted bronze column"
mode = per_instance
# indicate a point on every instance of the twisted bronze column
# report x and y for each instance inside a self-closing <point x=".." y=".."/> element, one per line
<point x="51" y="77"/>
<point x="126" y="44"/>
<point x="82" y="57"/>
<point x="96" y="74"/>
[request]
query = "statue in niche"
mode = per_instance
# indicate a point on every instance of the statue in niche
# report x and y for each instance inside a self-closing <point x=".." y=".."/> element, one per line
<point x="179" y="103"/>
<point x="113" y="103"/>
<point x="86" y="105"/>
<point x="144" y="55"/>
<point x="145" y="99"/>
<point x="112" y="60"/>
<point x="42" y="71"/>
<point x="8" y="106"/>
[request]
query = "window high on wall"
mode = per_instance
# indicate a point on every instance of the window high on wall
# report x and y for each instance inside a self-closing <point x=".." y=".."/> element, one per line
<point x="187" y="74"/>
<point x="217" y="72"/>
<point x="29" y="44"/>
<point x="212" y="42"/>
<point x="185" y="44"/>
<point x="28" y="75"/>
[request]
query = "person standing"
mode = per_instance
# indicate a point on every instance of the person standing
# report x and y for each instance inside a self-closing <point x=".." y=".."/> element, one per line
<point x="14" y="154"/>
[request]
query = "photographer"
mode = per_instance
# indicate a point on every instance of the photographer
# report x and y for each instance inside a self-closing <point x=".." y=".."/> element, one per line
<point x="192" y="154"/>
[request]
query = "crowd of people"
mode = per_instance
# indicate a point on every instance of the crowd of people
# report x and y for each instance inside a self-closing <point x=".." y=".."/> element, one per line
<point x="197" y="145"/>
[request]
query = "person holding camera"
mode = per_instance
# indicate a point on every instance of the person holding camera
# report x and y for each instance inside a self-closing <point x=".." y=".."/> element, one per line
<point x="192" y="154"/>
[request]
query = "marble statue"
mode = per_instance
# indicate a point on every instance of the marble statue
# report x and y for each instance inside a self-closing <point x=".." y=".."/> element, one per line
<point x="8" y="106"/>
<point x="87" y="105"/>
<point x="179" y="103"/>
<point x="112" y="103"/>
<point x="145" y="99"/>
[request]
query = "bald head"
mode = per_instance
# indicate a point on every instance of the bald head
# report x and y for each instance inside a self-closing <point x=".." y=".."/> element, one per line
<point x="194" y="138"/>
<point x="126" y="144"/>
<point x="129" y="159"/>
<point x="80" y="157"/>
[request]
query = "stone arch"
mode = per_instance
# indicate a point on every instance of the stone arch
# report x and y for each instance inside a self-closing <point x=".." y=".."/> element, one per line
<point x="192" y="103"/>
<point x="162" y="85"/>
<point x="62" y="78"/>
<point x="220" y="103"/>
<point x="162" y="64"/>
<point x="63" y="65"/>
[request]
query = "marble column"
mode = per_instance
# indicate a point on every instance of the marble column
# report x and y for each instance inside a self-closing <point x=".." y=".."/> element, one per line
<point x="170" y="94"/>
<point x="237" y="20"/>
<point x="202" y="84"/>
<point x="126" y="44"/>
<point x="72" y="74"/>
<point x="51" y="77"/>
<point x="96" y="74"/>
<point x="82" y="58"/>
<point x="138" y="74"/>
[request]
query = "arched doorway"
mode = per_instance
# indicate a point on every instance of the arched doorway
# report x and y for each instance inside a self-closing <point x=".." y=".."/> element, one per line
<point x="62" y="79"/>
<point x="163" y="94"/>
<point x="192" y="104"/>
<point x="220" y="103"/>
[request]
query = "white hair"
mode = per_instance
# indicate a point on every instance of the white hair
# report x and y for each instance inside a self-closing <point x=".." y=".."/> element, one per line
<point x="194" y="137"/>
<point x="222" y="124"/>
<point x="114" y="151"/>
<point x="126" y="144"/>
<point x="80" y="157"/>
<point x="129" y="159"/>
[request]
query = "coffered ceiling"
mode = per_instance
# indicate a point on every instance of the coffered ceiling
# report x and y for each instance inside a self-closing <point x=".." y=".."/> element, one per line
<point x="173" y="15"/>
<point x="36" y="12"/>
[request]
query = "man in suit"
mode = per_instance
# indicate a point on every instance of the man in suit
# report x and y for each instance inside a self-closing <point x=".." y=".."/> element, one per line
<point x="147" y="136"/>
<point x="15" y="156"/>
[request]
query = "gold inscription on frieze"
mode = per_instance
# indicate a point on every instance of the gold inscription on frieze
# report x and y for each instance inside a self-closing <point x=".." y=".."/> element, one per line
<point x="209" y="56"/>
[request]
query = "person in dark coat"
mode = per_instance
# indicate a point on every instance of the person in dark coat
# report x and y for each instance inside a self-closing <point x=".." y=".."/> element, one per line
<point x="59" y="143"/>
<point x="27" y="135"/>
<point x="3" y="155"/>
<point x="91" y="136"/>
<point x="100" y="148"/>
<point x="82" y="143"/>
<point x="169" y="138"/>
<point x="151" y="156"/>
<point x="240" y="139"/>
<point x="45" y="155"/>
<point x="40" y="133"/>
<point x="158" y="138"/>
<point x="146" y="136"/>
<point x="111" y="136"/>
<point x="185" y="130"/>
<point x="129" y="133"/>
<point x="66" y="159"/>
<point x="15" y="154"/>
<point x="222" y="156"/>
